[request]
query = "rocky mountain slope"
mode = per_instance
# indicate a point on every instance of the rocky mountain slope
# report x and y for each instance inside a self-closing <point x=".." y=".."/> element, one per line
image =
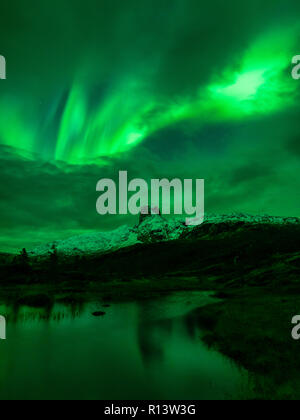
<point x="154" y="229"/>
<point x="150" y="229"/>
<point x="232" y="252"/>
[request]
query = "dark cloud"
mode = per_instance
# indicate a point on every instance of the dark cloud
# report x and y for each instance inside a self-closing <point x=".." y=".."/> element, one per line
<point x="183" y="42"/>
<point x="293" y="145"/>
<point x="250" y="172"/>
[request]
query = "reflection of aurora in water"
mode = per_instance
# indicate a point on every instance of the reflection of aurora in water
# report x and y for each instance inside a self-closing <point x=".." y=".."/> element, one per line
<point x="85" y="124"/>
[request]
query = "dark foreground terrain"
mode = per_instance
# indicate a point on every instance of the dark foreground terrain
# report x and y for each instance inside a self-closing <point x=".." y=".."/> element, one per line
<point x="254" y="269"/>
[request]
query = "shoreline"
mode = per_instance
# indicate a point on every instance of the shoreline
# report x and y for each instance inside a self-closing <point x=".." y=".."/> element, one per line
<point x="114" y="291"/>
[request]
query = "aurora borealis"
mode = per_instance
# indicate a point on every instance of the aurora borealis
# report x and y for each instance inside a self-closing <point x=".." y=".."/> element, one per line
<point x="129" y="113"/>
<point x="177" y="88"/>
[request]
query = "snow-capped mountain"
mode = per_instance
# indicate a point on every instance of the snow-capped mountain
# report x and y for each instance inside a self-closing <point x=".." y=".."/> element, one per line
<point x="150" y="229"/>
<point x="88" y="244"/>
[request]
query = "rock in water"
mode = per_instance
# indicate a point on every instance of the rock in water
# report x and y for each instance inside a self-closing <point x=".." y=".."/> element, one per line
<point x="99" y="313"/>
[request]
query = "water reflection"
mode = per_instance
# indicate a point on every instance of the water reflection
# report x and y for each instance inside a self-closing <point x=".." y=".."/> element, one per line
<point x="145" y="350"/>
<point x="157" y="319"/>
<point x="16" y="313"/>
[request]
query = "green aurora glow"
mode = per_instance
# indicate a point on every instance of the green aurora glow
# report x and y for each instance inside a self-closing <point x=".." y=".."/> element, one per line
<point x="179" y="88"/>
<point x="129" y="114"/>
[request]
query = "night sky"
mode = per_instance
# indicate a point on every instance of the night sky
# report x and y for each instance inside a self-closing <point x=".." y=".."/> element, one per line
<point x="174" y="88"/>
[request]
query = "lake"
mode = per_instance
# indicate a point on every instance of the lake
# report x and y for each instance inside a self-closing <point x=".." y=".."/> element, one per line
<point x="148" y="350"/>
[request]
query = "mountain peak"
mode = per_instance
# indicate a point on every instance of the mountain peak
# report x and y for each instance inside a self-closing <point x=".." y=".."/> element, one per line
<point x="148" y="213"/>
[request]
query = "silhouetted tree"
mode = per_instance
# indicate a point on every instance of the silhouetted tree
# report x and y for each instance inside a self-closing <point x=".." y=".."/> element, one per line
<point x="53" y="258"/>
<point x="24" y="259"/>
<point x="21" y="265"/>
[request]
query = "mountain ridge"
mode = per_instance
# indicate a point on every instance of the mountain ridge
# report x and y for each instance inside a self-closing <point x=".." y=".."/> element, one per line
<point x="154" y="228"/>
